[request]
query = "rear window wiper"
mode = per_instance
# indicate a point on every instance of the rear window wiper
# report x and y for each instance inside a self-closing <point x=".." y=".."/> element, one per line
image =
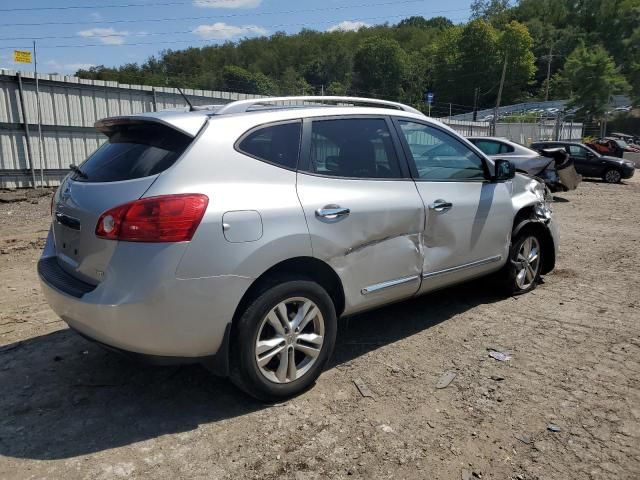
<point x="75" y="169"/>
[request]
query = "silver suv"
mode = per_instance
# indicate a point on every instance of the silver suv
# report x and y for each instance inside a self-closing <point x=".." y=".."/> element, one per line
<point x="236" y="235"/>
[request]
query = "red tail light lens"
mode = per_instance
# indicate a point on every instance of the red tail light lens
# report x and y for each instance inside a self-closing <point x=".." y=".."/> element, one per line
<point x="168" y="218"/>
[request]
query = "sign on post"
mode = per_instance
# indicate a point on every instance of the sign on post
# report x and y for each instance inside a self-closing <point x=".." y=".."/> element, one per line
<point x="22" y="56"/>
<point x="429" y="98"/>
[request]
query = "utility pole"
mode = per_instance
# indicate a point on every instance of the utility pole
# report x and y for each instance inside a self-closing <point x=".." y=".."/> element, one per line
<point x="475" y="103"/>
<point x="546" y="96"/>
<point x="495" y="112"/>
<point x="40" y="143"/>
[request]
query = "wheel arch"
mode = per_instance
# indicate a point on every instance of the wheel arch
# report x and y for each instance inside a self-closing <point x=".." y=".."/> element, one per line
<point x="526" y="219"/>
<point x="301" y="268"/>
<point x="293" y="268"/>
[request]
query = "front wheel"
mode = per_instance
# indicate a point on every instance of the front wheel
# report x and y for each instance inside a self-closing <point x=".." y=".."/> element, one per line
<point x="283" y="340"/>
<point x="522" y="272"/>
<point x="612" y="176"/>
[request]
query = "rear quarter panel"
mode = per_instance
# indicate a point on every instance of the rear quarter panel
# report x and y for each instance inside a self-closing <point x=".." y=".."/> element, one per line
<point x="236" y="182"/>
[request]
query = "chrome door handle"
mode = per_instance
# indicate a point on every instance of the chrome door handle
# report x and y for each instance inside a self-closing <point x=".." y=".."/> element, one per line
<point x="440" y="206"/>
<point x="332" y="212"/>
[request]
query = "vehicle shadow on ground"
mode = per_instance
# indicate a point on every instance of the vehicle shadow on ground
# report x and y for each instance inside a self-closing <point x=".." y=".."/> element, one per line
<point x="599" y="180"/>
<point x="63" y="396"/>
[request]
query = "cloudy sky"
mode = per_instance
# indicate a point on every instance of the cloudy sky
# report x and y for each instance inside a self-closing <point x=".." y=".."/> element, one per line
<point x="78" y="34"/>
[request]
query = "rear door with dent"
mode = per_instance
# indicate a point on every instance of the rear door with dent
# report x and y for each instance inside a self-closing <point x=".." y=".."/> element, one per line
<point x="364" y="214"/>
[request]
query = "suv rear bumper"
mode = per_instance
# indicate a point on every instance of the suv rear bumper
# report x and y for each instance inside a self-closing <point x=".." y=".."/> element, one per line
<point x="151" y="313"/>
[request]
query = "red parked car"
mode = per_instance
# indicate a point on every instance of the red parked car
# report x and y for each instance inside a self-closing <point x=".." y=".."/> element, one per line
<point x="613" y="147"/>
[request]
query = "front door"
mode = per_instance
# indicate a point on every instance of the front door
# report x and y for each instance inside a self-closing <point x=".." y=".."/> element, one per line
<point x="586" y="163"/>
<point x="468" y="219"/>
<point x="364" y="214"/>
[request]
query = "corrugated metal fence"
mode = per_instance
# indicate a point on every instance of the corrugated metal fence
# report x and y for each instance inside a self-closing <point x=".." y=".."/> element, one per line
<point x="69" y="107"/>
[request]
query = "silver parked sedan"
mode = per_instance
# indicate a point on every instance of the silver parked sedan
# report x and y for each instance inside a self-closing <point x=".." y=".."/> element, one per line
<point x="525" y="159"/>
<point x="236" y="236"/>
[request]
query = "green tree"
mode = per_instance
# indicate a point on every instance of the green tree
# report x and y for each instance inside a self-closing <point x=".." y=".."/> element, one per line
<point x="467" y="59"/>
<point x="498" y="12"/>
<point x="293" y="84"/>
<point x="515" y="45"/>
<point x="590" y="77"/>
<point x="439" y="23"/>
<point x="336" y="89"/>
<point x="238" y="79"/>
<point x="380" y="68"/>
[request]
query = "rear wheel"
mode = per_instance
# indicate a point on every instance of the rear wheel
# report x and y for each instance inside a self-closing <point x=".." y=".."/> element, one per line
<point x="283" y="340"/>
<point x="612" y="176"/>
<point x="522" y="272"/>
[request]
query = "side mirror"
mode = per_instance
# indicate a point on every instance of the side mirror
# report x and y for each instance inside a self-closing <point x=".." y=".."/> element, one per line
<point x="590" y="155"/>
<point x="504" y="170"/>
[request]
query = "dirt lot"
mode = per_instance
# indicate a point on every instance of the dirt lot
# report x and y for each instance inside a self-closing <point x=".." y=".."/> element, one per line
<point x="71" y="410"/>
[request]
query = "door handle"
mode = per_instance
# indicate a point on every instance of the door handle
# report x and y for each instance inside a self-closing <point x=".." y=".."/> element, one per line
<point x="332" y="212"/>
<point x="440" y="206"/>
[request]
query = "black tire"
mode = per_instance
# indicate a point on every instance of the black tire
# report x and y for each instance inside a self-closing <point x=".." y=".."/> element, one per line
<point x="513" y="268"/>
<point x="244" y="370"/>
<point x="612" y="176"/>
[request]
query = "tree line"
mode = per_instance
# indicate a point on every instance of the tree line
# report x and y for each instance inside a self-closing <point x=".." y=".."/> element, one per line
<point x="583" y="50"/>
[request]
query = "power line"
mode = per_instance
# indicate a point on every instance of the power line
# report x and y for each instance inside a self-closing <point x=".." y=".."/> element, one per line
<point x="120" y="5"/>
<point x="231" y="15"/>
<point x="146" y="34"/>
<point x="121" y="35"/>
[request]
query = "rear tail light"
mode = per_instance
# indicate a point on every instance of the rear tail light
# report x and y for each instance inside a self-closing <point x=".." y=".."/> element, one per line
<point x="167" y="218"/>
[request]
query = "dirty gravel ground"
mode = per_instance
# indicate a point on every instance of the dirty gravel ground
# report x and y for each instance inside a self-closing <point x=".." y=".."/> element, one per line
<point x="71" y="410"/>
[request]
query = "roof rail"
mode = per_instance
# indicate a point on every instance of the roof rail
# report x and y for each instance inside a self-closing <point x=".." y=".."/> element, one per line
<point x="242" y="106"/>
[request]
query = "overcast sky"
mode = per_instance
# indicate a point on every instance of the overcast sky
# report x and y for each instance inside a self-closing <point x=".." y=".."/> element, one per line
<point x="78" y="34"/>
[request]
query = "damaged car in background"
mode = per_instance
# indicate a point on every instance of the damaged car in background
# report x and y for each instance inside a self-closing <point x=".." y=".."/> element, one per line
<point x="237" y="235"/>
<point x="557" y="170"/>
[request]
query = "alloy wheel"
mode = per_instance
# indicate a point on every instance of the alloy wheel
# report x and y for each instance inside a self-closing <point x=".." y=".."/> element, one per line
<point x="612" y="176"/>
<point x="289" y="340"/>
<point x="527" y="263"/>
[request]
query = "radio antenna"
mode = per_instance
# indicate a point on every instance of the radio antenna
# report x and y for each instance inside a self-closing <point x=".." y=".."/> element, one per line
<point x="191" y="107"/>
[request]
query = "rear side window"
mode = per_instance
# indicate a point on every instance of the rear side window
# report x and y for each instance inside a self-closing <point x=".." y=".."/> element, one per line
<point x="133" y="151"/>
<point x="353" y="148"/>
<point x="491" y="147"/>
<point x="278" y="144"/>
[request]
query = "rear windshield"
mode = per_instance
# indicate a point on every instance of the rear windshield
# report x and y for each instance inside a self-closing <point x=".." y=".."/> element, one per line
<point x="133" y="151"/>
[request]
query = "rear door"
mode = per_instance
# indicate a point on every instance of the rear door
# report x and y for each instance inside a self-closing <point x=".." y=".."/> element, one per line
<point x="364" y="214"/>
<point x="120" y="171"/>
<point x="468" y="219"/>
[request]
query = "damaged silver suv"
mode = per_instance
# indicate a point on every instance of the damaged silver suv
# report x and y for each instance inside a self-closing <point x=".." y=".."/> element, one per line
<point x="237" y="235"/>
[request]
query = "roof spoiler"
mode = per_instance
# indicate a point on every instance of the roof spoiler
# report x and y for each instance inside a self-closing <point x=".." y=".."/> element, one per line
<point x="188" y="124"/>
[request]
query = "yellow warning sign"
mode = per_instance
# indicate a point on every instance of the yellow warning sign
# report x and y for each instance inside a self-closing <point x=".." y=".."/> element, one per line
<point x="22" y="56"/>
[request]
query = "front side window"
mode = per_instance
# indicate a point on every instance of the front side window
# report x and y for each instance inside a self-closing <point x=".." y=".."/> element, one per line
<point x="576" y="151"/>
<point x="353" y="148"/>
<point x="440" y="157"/>
<point x="278" y="144"/>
